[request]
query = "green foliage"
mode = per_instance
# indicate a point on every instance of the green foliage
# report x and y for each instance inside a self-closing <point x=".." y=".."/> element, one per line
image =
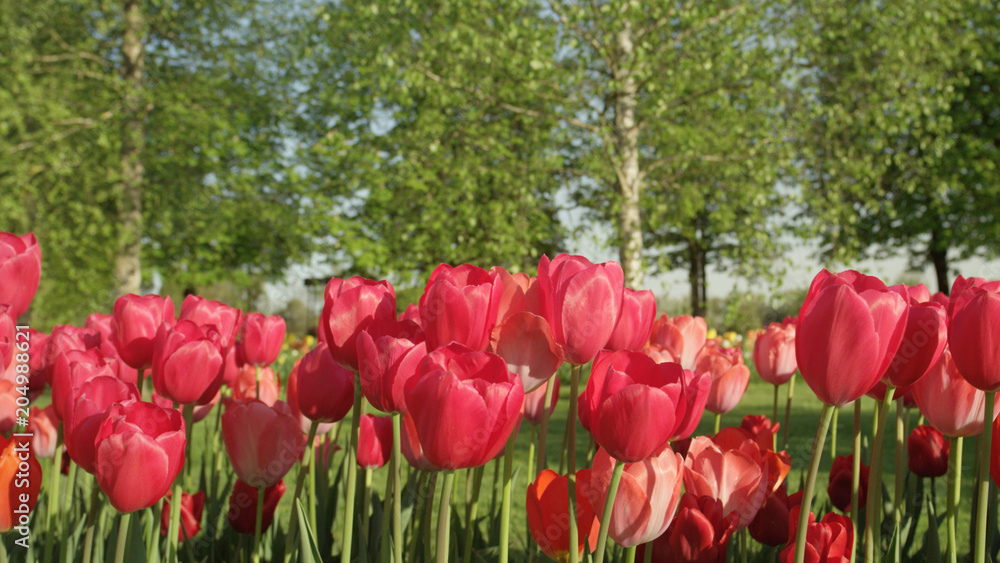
<point x="220" y="200"/>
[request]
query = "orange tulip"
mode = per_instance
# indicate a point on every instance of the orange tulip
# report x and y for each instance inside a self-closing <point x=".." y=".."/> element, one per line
<point x="548" y="516"/>
<point x="20" y="480"/>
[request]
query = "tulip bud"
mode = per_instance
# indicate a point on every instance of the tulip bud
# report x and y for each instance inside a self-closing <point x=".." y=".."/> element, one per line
<point x="927" y="451"/>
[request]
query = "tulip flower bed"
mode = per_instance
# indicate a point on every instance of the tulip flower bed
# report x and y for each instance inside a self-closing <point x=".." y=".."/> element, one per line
<point x="423" y="435"/>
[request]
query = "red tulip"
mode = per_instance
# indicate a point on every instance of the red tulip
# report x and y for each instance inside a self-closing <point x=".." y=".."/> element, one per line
<point x="292" y="395"/>
<point x="410" y="445"/>
<point x="349" y="307"/>
<point x="8" y="347"/>
<point x="547" y="504"/>
<point x="188" y="360"/>
<point x="63" y="339"/>
<point x="849" y="329"/>
<point x="924" y="340"/>
<point x="730" y="376"/>
<point x="20" y="269"/>
<point x="458" y="387"/>
<point x="91" y="401"/>
<point x="738" y="478"/>
<point x="636" y="321"/>
<point x="927" y="452"/>
<point x="242" y="513"/>
<point x="324" y="390"/>
<point x="828" y="541"/>
<point x="774" y="354"/>
<point x="581" y="302"/>
<point x="647" y="497"/>
<point x="8" y="405"/>
<point x="839" y="488"/>
<point x="761" y="427"/>
<point x="374" y="441"/>
<point x="204" y="312"/>
<point x="770" y="526"/>
<point x="262" y="442"/>
<point x="72" y="369"/>
<point x="918" y="293"/>
<point x="533" y="401"/>
<point x="43" y="427"/>
<point x="515" y="286"/>
<point x="200" y="411"/>
<point x="385" y="365"/>
<point x="525" y="341"/>
<point x="139" y="452"/>
<point x="948" y="401"/>
<point x="974" y="334"/>
<point x="683" y="336"/>
<point x="774" y="465"/>
<point x="700" y="533"/>
<point x="634" y="405"/>
<point x="696" y="390"/>
<point x="134" y="325"/>
<point x="245" y="387"/>
<point x="260" y="339"/>
<point x="192" y="508"/>
<point x="20" y="481"/>
<point x="230" y="368"/>
<point x="460" y="305"/>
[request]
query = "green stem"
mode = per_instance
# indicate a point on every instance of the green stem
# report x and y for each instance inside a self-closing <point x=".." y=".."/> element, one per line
<point x="574" y="384"/>
<point x="493" y="492"/>
<point x="647" y="555"/>
<point x="258" y="524"/>
<point x="470" y="512"/>
<point x="774" y="418"/>
<point x="188" y="413"/>
<point x="300" y="478"/>
<point x="874" y="501"/>
<point x="718" y="423"/>
<point x="95" y="507"/>
<point x="609" y="504"/>
<point x="352" y="473"/>
<point x="175" y="519"/>
<point x="366" y="478"/>
<point x="67" y="498"/>
<point x="54" y="479"/>
<point x="544" y="429"/>
<point x="954" y="490"/>
<point x="897" y="497"/>
<point x="397" y="490"/>
<point x="508" y="471"/>
<point x="425" y="524"/>
<point x="155" y="514"/>
<point x="807" y="493"/>
<point x="856" y="476"/>
<point x="984" y="480"/>
<point x="123" y="526"/>
<point x="444" y="518"/>
<point x="833" y="433"/>
<point x="531" y="473"/>
<point x="630" y="555"/>
<point x="257" y="390"/>
<point x="788" y="412"/>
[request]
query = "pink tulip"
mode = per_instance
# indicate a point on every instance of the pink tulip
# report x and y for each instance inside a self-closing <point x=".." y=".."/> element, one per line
<point x="729" y="376"/>
<point x="20" y="269"/>
<point x="8" y="346"/>
<point x="204" y="312"/>
<point x="734" y="477"/>
<point x="134" y="325"/>
<point x="385" y="365"/>
<point x="636" y="321"/>
<point x="349" y="306"/>
<point x="849" y="329"/>
<point x="374" y="441"/>
<point x="774" y="354"/>
<point x="925" y="337"/>
<point x="260" y="339"/>
<point x="43" y="427"/>
<point x="460" y="305"/>
<point x="974" y="333"/>
<point x="581" y="302"/>
<point x="187" y="362"/>
<point x="949" y="402"/>
<point x="74" y="368"/>
<point x="247" y="385"/>
<point x="62" y="339"/>
<point x="634" y="405"/>
<point x="457" y="387"/>
<point x="525" y="341"/>
<point x="515" y="286"/>
<point x="139" y="452"/>
<point x="410" y="445"/>
<point x="91" y="401"/>
<point x="647" y="496"/>
<point x="262" y="442"/>
<point x="682" y="336"/>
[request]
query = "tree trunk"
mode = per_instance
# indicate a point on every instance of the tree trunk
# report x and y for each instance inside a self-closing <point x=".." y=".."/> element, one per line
<point x="938" y="255"/>
<point x="696" y="273"/>
<point x="626" y="137"/>
<point x="128" y="274"/>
